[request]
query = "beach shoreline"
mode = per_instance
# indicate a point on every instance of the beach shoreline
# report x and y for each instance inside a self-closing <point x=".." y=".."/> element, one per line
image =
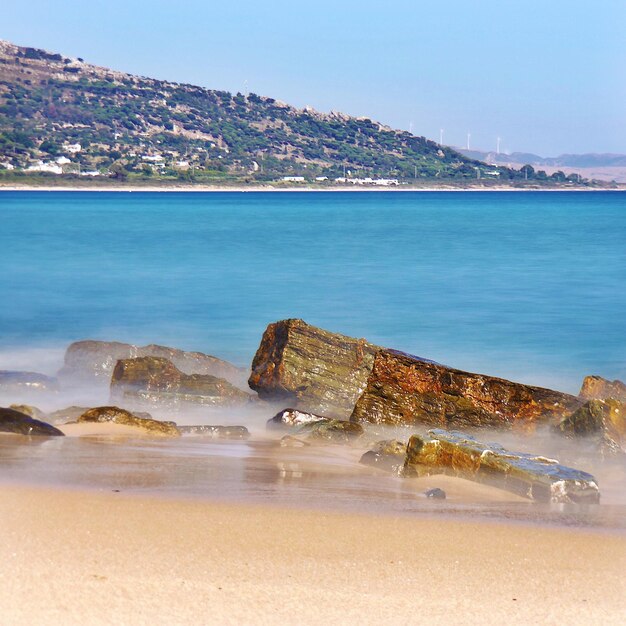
<point x="75" y="556"/>
<point x="269" y="189"/>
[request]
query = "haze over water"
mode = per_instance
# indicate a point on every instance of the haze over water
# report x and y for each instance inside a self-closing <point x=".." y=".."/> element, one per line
<point x="528" y="286"/>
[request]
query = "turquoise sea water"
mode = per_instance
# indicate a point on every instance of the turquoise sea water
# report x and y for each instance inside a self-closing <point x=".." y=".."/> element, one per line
<point x="530" y="286"/>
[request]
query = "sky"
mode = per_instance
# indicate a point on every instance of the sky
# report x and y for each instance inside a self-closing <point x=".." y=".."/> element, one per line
<point x="546" y="76"/>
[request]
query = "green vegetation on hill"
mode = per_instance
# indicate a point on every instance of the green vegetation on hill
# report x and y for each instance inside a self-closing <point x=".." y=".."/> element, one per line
<point x="110" y="123"/>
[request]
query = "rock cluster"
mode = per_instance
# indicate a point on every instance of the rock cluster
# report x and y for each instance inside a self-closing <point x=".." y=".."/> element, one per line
<point x="94" y="361"/>
<point x="12" y="421"/>
<point x="117" y="415"/>
<point x="155" y="380"/>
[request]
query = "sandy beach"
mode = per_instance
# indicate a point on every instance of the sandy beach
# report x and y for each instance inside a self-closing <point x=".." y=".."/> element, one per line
<point x="74" y="557"/>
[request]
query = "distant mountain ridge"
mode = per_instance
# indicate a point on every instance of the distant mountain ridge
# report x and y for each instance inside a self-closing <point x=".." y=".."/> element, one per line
<point x="563" y="160"/>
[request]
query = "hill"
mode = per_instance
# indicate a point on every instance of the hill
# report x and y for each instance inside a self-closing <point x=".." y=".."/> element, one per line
<point x="61" y="115"/>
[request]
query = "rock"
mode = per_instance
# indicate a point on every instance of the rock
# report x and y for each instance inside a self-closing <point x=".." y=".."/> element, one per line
<point x="121" y="416"/>
<point x="598" y="388"/>
<point x="32" y="411"/>
<point x="26" y="381"/>
<point x="94" y="361"/>
<point x="388" y="455"/>
<point x="217" y="432"/>
<point x="292" y="417"/>
<point x="292" y="442"/>
<point x="69" y="414"/>
<point x="155" y="380"/>
<point x="311" y="369"/>
<point x="603" y="423"/>
<point x="534" y="477"/>
<point x="336" y="431"/>
<point x="407" y="390"/>
<point x="436" y="493"/>
<point x="12" y="421"/>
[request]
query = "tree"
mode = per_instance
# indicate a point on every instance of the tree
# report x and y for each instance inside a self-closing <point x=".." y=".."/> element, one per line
<point x="118" y="171"/>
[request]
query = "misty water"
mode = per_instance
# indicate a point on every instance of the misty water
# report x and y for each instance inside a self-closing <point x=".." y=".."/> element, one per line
<point x="527" y="286"/>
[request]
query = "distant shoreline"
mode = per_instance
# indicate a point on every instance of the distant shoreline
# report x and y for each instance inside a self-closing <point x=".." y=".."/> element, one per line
<point x="269" y="188"/>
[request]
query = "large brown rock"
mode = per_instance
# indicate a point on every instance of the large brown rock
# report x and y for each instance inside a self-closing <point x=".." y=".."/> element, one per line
<point x="403" y="389"/>
<point x="534" y="477"/>
<point x="598" y="388"/>
<point x="155" y="380"/>
<point x="93" y="361"/>
<point x="12" y="421"/>
<point x="311" y="369"/>
<point x="117" y="415"/>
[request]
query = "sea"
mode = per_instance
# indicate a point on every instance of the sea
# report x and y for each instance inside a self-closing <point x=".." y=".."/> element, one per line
<point x="529" y="286"/>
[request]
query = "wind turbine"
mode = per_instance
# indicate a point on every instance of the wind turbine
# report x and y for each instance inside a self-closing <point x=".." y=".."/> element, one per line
<point x="468" y="140"/>
<point x="498" y="146"/>
<point x="441" y="136"/>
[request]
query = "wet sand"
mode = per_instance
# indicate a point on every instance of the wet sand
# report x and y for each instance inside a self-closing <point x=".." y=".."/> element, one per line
<point x="79" y="557"/>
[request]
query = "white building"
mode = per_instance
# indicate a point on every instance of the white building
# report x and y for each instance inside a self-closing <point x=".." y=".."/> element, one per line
<point x="293" y="179"/>
<point x="72" y="148"/>
<point x="50" y="168"/>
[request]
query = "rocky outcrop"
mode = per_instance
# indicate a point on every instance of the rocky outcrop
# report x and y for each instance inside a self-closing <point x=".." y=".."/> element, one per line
<point x="216" y="432"/>
<point x="404" y="389"/>
<point x="598" y="388"/>
<point x="120" y="416"/>
<point x="533" y="477"/>
<point x="26" y="381"/>
<point x="93" y="362"/>
<point x="156" y="381"/>
<point x="388" y="455"/>
<point x="12" y="421"/>
<point x="601" y="423"/>
<point x="310" y="368"/>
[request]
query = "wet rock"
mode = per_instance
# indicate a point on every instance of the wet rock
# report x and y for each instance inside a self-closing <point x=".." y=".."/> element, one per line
<point x="292" y="417"/>
<point x="388" y="455"/>
<point x="436" y="493"/>
<point x="293" y="442"/>
<point x="32" y="411"/>
<point x="598" y="388"/>
<point x="217" y="432"/>
<point x="404" y="389"/>
<point x="93" y="362"/>
<point x="157" y="381"/>
<point x="11" y="381"/>
<point x="68" y="414"/>
<point x="335" y="431"/>
<point x="602" y="423"/>
<point x="120" y="416"/>
<point x="12" y="421"/>
<point x="311" y="369"/>
<point x="533" y="477"/>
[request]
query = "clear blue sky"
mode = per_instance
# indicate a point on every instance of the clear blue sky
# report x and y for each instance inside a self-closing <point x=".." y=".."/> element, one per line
<point x="547" y="76"/>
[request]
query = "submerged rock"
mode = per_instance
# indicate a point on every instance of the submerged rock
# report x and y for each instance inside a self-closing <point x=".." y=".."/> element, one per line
<point x="293" y="442"/>
<point x="335" y="431"/>
<point x="534" y="477"/>
<point x="12" y="421"/>
<point x="436" y="493"/>
<point x="94" y="361"/>
<point x="68" y="414"/>
<point x="292" y="417"/>
<point x="404" y="389"/>
<point x="155" y="380"/>
<point x="217" y="432"/>
<point x="598" y="388"/>
<point x="310" y="368"/>
<point x="388" y="455"/>
<point x="26" y="381"/>
<point x="32" y="411"/>
<point x="120" y="416"/>
<point x="603" y="423"/>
